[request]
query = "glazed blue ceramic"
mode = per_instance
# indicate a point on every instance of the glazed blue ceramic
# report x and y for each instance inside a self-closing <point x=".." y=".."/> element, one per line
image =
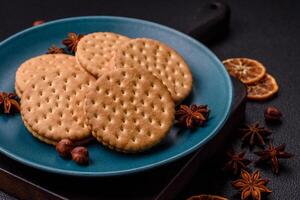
<point x="211" y="85"/>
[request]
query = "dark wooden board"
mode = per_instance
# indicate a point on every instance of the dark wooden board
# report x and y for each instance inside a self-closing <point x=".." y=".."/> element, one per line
<point x="24" y="182"/>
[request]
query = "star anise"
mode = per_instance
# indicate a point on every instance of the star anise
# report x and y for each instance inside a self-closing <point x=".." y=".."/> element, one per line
<point x="55" y="50"/>
<point x="251" y="185"/>
<point x="255" y="134"/>
<point x="236" y="162"/>
<point x="273" y="154"/>
<point x="71" y="41"/>
<point x="9" y="103"/>
<point x="191" y="116"/>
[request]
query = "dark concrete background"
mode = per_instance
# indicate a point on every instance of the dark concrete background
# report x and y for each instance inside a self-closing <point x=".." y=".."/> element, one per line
<point x="268" y="31"/>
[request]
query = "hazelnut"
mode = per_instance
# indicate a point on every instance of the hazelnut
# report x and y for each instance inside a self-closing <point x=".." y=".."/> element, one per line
<point x="80" y="155"/>
<point x="272" y="114"/>
<point x="64" y="147"/>
<point x="38" y="22"/>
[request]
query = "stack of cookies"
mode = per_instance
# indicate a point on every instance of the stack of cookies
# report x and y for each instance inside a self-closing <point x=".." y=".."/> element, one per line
<point x="118" y="90"/>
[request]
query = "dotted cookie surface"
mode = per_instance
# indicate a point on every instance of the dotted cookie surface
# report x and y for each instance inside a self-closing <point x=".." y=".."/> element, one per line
<point x="165" y="63"/>
<point x="95" y="50"/>
<point x="129" y="110"/>
<point x="52" y="105"/>
<point x="41" y="65"/>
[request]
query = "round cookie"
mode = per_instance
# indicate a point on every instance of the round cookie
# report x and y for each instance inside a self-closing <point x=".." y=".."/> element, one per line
<point x="95" y="50"/>
<point x="129" y="110"/>
<point x="46" y="140"/>
<point x="52" y="105"/>
<point x="156" y="57"/>
<point x="41" y="64"/>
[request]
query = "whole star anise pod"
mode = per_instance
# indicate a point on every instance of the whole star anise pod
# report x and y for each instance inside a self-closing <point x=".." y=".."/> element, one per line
<point x="254" y="134"/>
<point x="236" y="162"/>
<point x="273" y="154"/>
<point x="191" y="116"/>
<point x="9" y="103"/>
<point x="71" y="41"/>
<point x="55" y="50"/>
<point x="251" y="185"/>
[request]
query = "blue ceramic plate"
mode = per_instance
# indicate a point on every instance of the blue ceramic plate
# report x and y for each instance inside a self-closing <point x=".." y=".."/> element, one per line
<point x="211" y="86"/>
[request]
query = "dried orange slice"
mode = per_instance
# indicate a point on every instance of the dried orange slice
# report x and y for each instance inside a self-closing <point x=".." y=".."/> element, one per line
<point x="207" y="197"/>
<point x="245" y="69"/>
<point x="262" y="89"/>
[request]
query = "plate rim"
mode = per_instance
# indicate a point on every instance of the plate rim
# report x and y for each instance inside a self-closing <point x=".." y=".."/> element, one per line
<point x="144" y="167"/>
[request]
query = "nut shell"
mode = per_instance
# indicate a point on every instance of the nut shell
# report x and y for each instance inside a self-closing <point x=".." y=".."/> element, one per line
<point x="80" y="155"/>
<point x="64" y="147"/>
<point x="272" y="114"/>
